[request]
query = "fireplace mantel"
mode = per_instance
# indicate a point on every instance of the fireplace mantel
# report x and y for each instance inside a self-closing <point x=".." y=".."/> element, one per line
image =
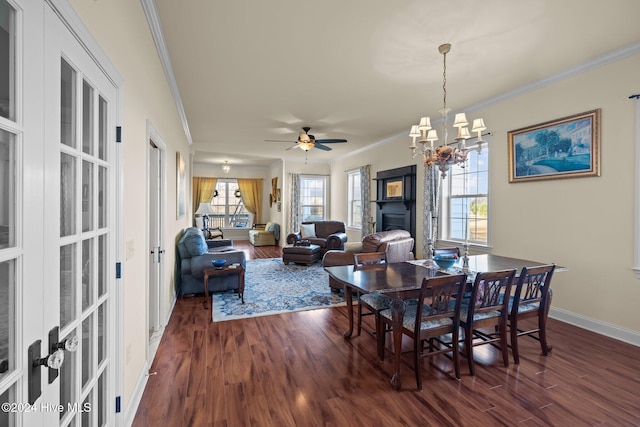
<point x="396" y="199"/>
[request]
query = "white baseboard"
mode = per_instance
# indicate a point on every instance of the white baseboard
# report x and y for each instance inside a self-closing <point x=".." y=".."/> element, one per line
<point x="602" y="328"/>
<point x="136" y="396"/>
<point x="138" y="391"/>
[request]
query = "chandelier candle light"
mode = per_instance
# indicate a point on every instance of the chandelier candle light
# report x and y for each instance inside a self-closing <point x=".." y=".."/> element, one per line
<point x="444" y="155"/>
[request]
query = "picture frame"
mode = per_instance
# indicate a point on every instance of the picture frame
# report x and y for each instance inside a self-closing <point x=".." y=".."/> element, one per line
<point x="393" y="189"/>
<point x="180" y="187"/>
<point x="563" y="148"/>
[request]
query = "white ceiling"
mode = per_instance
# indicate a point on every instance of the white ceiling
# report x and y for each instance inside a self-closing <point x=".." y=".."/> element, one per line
<point x="364" y="70"/>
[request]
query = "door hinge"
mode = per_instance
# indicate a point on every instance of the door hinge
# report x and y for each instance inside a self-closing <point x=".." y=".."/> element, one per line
<point x="118" y="133"/>
<point x="117" y="404"/>
<point x="118" y="270"/>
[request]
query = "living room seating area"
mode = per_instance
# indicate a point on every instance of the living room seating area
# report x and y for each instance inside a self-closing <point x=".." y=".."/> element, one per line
<point x="195" y="254"/>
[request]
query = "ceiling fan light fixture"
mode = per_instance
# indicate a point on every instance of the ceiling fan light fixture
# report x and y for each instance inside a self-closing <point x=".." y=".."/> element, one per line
<point x="306" y="146"/>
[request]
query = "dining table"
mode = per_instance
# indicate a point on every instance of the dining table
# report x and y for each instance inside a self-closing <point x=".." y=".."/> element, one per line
<point x="401" y="281"/>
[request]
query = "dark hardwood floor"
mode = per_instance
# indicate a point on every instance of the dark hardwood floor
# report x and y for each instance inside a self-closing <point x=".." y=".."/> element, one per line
<point x="297" y="370"/>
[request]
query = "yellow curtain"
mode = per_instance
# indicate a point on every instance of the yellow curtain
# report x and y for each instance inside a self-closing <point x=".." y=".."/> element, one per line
<point x="251" y="191"/>
<point x="202" y="191"/>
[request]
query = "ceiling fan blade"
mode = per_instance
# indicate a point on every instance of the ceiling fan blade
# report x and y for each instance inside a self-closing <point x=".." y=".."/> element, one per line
<point x="293" y="146"/>
<point x="330" y="141"/>
<point x="278" y="140"/>
<point x="322" y="147"/>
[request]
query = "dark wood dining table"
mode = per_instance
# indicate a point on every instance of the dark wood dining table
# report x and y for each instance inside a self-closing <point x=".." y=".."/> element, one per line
<point x="401" y="281"/>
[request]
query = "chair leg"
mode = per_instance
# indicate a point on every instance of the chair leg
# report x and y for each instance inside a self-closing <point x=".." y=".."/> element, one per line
<point x="504" y="344"/>
<point x="359" y="315"/>
<point x="455" y="338"/>
<point x="513" y="330"/>
<point x="542" y="333"/>
<point x="468" y="348"/>
<point x="417" y="358"/>
<point x="382" y="340"/>
<point x="379" y="336"/>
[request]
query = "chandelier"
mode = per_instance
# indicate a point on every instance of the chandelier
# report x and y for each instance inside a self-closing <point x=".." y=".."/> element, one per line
<point x="226" y="167"/>
<point x="446" y="155"/>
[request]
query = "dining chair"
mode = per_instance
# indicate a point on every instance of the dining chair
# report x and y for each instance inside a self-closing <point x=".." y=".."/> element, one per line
<point x="487" y="308"/>
<point x="532" y="298"/>
<point x="436" y="314"/>
<point x="446" y="251"/>
<point x="374" y="303"/>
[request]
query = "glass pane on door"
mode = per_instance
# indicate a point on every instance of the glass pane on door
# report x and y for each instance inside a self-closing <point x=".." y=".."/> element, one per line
<point x="7" y="318"/>
<point x="8" y="418"/>
<point x="7" y="60"/>
<point x="87" y="118"/>
<point x="87" y="273"/>
<point x="87" y="196"/>
<point x="67" y="195"/>
<point x="7" y="190"/>
<point x="67" y="104"/>
<point x="67" y="284"/>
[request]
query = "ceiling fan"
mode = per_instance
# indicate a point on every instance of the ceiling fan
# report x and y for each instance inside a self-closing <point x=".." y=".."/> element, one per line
<point x="306" y="141"/>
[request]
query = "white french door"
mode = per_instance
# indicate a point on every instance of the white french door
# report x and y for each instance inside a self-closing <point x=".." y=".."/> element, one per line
<point x="58" y="231"/>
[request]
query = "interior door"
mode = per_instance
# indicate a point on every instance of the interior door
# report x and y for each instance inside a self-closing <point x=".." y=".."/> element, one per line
<point x="79" y="224"/>
<point x="155" y="239"/>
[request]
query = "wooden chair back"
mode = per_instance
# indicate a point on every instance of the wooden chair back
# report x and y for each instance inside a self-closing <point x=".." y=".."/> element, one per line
<point x="365" y="259"/>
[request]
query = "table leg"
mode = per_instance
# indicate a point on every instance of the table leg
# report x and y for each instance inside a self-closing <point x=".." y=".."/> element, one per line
<point x="206" y="290"/>
<point x="397" y="311"/>
<point x="241" y="284"/>
<point x="348" y="296"/>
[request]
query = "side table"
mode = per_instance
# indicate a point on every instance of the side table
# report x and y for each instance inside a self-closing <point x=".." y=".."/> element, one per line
<point x="224" y="271"/>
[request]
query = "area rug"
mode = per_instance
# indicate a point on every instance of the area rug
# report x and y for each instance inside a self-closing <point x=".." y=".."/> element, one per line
<point x="272" y="287"/>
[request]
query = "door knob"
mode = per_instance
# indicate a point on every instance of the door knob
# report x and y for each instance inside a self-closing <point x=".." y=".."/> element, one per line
<point x="69" y="344"/>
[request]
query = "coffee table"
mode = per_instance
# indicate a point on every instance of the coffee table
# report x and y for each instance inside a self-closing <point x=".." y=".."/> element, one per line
<point x="227" y="270"/>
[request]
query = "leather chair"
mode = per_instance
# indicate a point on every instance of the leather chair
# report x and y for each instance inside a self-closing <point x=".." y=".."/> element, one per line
<point x="329" y="235"/>
<point x="396" y="244"/>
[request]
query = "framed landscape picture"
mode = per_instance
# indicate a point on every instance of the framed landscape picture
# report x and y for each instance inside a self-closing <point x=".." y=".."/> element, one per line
<point x="562" y="148"/>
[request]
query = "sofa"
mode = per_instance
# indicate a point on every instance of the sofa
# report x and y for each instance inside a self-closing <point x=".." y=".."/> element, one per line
<point x="329" y="235"/>
<point x="264" y="234"/>
<point x="396" y="244"/>
<point x="195" y="253"/>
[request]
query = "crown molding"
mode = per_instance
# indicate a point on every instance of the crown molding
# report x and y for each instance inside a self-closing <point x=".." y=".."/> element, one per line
<point x="151" y="12"/>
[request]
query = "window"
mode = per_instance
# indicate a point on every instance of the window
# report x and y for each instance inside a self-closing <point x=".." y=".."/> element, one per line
<point x="465" y="200"/>
<point x="228" y="207"/>
<point x="354" y="200"/>
<point x="313" y="197"/>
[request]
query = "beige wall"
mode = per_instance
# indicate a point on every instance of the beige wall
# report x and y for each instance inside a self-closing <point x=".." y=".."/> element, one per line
<point x="121" y="29"/>
<point x="585" y="224"/>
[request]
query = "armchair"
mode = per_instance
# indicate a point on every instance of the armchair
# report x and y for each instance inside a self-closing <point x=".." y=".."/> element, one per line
<point x="264" y="234"/>
<point x="326" y="234"/>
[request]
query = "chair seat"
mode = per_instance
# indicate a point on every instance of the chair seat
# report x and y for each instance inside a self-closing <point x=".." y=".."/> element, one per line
<point x="409" y="321"/>
<point x="525" y="307"/>
<point x="376" y="301"/>
<point x="479" y="316"/>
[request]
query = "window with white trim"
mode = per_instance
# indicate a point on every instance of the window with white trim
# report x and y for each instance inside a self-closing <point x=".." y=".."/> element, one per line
<point x="313" y="197"/>
<point x="466" y="200"/>
<point x="228" y="206"/>
<point x="354" y="199"/>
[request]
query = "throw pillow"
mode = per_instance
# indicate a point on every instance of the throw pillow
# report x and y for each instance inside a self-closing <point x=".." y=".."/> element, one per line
<point x="308" y="230"/>
<point x="182" y="248"/>
<point x="195" y="244"/>
<point x="267" y="226"/>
